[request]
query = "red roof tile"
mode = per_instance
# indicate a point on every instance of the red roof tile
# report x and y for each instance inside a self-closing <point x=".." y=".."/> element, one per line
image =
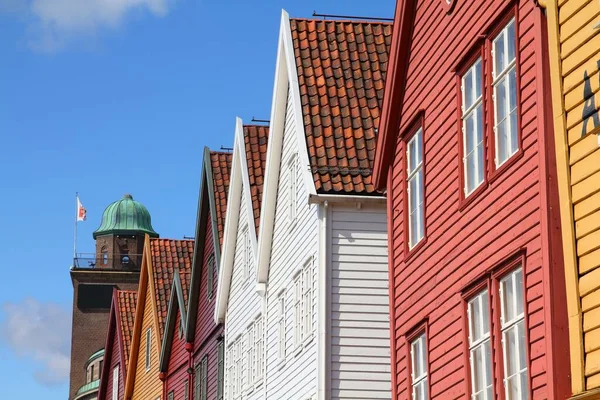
<point x="255" y="139"/>
<point x="221" y="169"/>
<point x="168" y="254"/>
<point x="126" y="301"/>
<point x="341" y="70"/>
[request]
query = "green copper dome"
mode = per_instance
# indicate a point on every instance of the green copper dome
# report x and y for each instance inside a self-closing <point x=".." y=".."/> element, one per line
<point x="125" y="217"/>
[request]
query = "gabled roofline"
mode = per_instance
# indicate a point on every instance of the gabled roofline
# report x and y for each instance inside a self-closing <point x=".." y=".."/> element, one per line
<point x="113" y="326"/>
<point x="206" y="195"/>
<point x="395" y="80"/>
<point x="146" y="283"/>
<point x="238" y="183"/>
<point x="175" y="304"/>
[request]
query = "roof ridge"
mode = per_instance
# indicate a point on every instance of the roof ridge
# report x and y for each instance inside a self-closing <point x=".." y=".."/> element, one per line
<point x="353" y="21"/>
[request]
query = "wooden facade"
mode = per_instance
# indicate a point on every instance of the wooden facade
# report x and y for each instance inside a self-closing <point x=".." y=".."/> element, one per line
<point x="574" y="57"/>
<point x="472" y="241"/>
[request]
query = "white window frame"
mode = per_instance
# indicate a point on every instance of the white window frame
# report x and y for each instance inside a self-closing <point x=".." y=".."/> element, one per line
<point x="498" y="78"/>
<point x="259" y="358"/>
<point x="303" y="304"/>
<point x="115" y="383"/>
<point x="513" y="326"/>
<point x="148" y="353"/>
<point x="470" y="112"/>
<point x="418" y="353"/>
<point x="204" y="378"/>
<point x="281" y="326"/>
<point x="480" y="301"/>
<point x="414" y="174"/>
<point x="293" y="189"/>
<point x="250" y="360"/>
<point x="220" y="370"/>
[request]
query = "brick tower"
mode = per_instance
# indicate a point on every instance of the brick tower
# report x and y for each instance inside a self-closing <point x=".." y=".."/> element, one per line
<point x="115" y="264"/>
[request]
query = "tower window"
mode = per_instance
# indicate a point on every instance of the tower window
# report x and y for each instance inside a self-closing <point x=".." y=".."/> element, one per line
<point x="104" y="252"/>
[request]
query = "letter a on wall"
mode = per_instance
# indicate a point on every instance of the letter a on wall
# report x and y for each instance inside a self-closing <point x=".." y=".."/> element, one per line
<point x="589" y="108"/>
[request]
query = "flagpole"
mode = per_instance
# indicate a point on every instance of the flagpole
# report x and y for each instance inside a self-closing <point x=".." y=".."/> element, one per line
<point x="75" y="234"/>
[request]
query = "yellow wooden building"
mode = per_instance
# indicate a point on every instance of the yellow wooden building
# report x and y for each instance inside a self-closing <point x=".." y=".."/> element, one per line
<point x="160" y="261"/>
<point x="574" y="57"/>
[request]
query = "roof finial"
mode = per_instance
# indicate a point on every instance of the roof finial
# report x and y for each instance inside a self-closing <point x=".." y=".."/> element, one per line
<point x="128" y="196"/>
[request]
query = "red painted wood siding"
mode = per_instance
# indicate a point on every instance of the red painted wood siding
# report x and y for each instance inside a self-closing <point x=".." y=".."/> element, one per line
<point x="211" y="349"/>
<point x="205" y="322"/>
<point x="206" y="331"/>
<point x="178" y="363"/>
<point x="115" y="359"/>
<point x="462" y="245"/>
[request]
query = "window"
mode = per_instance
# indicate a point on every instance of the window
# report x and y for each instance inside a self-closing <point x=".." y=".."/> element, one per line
<point x="104" y="252"/>
<point x="186" y="390"/>
<point x="472" y="128"/>
<point x="210" y="276"/>
<point x="220" y="370"/>
<point x="281" y="326"/>
<point x="247" y="252"/>
<point x="506" y="311"/>
<point x="416" y="209"/>
<point x="303" y="299"/>
<point x="250" y="360"/>
<point x="197" y="381"/>
<point x="204" y="377"/>
<point x="171" y="395"/>
<point x="480" y="350"/>
<point x="504" y="66"/>
<point x="115" y="383"/>
<point x="512" y="323"/>
<point x="258" y="367"/>
<point x="234" y="369"/>
<point x="293" y="188"/>
<point x="418" y="356"/>
<point x="148" y="344"/>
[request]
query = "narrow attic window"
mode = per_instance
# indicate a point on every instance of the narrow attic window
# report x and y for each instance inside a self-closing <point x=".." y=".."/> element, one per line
<point x="293" y="188"/>
<point x="210" y="274"/>
<point x="148" y="344"/>
<point x="247" y="252"/>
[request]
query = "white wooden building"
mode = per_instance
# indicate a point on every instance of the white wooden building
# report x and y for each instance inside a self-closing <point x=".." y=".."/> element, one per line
<point x="319" y="296"/>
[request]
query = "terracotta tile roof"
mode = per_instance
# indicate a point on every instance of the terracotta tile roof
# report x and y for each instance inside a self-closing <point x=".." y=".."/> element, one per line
<point x="256" y="138"/>
<point x="126" y="301"/>
<point x="168" y="254"/>
<point x="341" y="71"/>
<point x="221" y="169"/>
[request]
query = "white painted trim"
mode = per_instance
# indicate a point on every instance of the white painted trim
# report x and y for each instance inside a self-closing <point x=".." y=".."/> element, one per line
<point x="234" y="198"/>
<point x="348" y="199"/>
<point x="323" y="317"/>
<point x="285" y="74"/>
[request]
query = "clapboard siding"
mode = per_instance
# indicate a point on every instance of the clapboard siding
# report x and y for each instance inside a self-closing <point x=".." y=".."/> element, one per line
<point x="205" y="342"/>
<point x="244" y="303"/>
<point x="295" y="378"/>
<point x="463" y="243"/>
<point x="114" y="360"/>
<point x="579" y="43"/>
<point x="147" y="385"/>
<point x="360" y="330"/>
<point x="178" y="362"/>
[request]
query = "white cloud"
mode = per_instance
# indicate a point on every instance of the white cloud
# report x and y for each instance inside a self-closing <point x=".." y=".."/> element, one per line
<point x="40" y="332"/>
<point x="53" y="24"/>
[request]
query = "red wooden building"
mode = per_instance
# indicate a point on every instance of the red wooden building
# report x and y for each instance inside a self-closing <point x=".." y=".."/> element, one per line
<point x="465" y="152"/>
<point x="118" y="345"/>
<point x="192" y="355"/>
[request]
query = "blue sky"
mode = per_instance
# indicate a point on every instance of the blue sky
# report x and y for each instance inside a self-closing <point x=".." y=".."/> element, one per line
<point x="106" y="98"/>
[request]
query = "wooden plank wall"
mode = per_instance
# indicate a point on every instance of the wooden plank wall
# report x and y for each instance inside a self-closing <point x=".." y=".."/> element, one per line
<point x="462" y="244"/>
<point x="579" y="36"/>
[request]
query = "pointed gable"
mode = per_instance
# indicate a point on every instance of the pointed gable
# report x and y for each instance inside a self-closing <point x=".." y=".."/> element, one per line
<point x="255" y="139"/>
<point x="168" y="255"/>
<point x="341" y="69"/>
<point x="221" y="169"/>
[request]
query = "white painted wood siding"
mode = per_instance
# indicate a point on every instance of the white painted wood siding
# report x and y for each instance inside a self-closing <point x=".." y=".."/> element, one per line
<point x="359" y="310"/>
<point x="295" y="378"/>
<point x="244" y="303"/>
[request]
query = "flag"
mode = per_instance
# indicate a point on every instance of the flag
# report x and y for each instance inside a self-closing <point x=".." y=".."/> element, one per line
<point x="81" y="211"/>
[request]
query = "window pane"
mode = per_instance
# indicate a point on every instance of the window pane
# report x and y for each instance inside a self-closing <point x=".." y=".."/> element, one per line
<point x="512" y="388"/>
<point x="488" y="360"/>
<point x="411" y="156"/>
<point x="501" y="144"/>
<point x="478" y="368"/>
<point x="509" y="299"/>
<point x="510" y="340"/>
<point x="512" y="41"/>
<point x="468" y="89"/>
<point x="478" y="81"/>
<point x="471" y="172"/>
<point x="499" y="54"/>
<point x="519" y="285"/>
<point x="522" y="350"/>
<point x="512" y="88"/>
<point x="524" y="385"/>
<point x="485" y="305"/>
<point x="500" y="101"/>
<point x="514" y="139"/>
<point x="413" y="194"/>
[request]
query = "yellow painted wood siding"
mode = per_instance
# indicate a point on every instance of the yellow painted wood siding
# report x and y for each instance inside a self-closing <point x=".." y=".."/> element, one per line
<point x="574" y="28"/>
<point x="147" y="385"/>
